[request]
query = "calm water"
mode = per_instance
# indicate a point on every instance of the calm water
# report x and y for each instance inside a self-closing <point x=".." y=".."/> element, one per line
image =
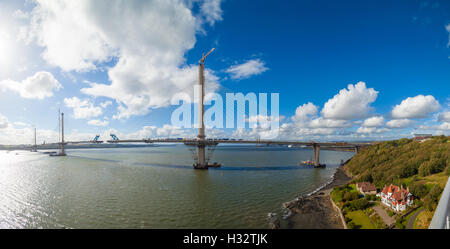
<point x="154" y="187"/>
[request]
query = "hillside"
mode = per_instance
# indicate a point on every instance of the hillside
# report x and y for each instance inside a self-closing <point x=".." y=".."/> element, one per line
<point x="424" y="167"/>
<point x="392" y="161"/>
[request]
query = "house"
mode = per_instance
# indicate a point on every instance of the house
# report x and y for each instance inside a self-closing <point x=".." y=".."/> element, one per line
<point x="396" y="197"/>
<point x="366" y="188"/>
<point x="422" y="137"/>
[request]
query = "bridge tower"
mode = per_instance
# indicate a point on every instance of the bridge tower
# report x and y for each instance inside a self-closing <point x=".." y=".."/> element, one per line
<point x="201" y="153"/>
<point x="62" y="151"/>
<point x="34" y="148"/>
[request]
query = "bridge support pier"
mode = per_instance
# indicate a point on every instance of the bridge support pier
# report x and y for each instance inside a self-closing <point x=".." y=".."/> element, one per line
<point x="201" y="159"/>
<point x="316" y="149"/>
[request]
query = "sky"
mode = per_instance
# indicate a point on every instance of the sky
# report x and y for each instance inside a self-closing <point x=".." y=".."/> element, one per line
<point x="344" y="70"/>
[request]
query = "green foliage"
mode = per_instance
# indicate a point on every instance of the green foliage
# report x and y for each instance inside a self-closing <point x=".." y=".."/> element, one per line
<point x="399" y="223"/>
<point x="418" y="190"/>
<point x="359" y="204"/>
<point x="435" y="165"/>
<point x="386" y="162"/>
<point x="431" y="200"/>
<point x="352" y="225"/>
<point x="371" y="197"/>
<point x="350" y="196"/>
<point x="390" y="213"/>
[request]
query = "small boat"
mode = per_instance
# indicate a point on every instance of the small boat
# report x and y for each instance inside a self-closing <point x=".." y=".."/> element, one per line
<point x="214" y="165"/>
<point x="307" y="163"/>
<point x="311" y="163"/>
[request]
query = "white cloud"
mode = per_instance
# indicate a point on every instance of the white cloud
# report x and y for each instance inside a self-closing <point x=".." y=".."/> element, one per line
<point x="444" y="126"/>
<point x="97" y="122"/>
<point x="416" y="107"/>
<point x="247" y="69"/>
<point x="328" y="123"/>
<point x="373" y="121"/>
<point x="211" y="11"/>
<point x="20" y="124"/>
<point x="39" y="86"/>
<point x="105" y="104"/>
<point x="350" y="104"/>
<point x="20" y="14"/>
<point x="370" y="130"/>
<point x="399" y="123"/>
<point x="305" y="112"/>
<point x="82" y="108"/>
<point x="150" y="69"/>
<point x="444" y="116"/>
<point x="3" y="122"/>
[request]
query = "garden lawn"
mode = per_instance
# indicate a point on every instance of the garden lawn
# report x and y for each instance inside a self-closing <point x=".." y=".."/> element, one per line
<point x="360" y="219"/>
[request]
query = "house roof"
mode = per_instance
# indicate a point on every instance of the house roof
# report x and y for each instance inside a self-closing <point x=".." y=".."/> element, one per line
<point x="366" y="186"/>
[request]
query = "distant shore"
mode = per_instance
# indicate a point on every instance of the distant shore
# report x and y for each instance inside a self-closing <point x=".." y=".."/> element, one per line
<point x="316" y="211"/>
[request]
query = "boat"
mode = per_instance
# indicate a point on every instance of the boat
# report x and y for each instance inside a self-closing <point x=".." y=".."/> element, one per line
<point x="311" y="163"/>
<point x="209" y="165"/>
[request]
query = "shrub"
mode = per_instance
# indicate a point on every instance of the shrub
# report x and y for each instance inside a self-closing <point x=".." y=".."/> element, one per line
<point x="351" y="225"/>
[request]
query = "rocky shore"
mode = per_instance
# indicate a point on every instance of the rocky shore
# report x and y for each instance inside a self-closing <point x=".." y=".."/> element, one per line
<point x="315" y="211"/>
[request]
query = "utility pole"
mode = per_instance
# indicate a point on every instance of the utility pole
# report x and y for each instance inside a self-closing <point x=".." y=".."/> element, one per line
<point x="201" y="164"/>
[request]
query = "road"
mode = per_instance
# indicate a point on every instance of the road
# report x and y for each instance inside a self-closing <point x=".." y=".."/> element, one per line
<point x="412" y="219"/>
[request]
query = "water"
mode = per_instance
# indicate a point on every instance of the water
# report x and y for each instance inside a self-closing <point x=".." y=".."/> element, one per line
<point x="154" y="187"/>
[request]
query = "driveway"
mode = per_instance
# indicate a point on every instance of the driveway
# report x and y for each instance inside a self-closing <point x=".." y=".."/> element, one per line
<point x="388" y="220"/>
<point x="412" y="219"/>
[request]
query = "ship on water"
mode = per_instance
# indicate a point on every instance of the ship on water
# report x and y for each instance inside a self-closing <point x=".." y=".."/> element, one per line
<point x="310" y="163"/>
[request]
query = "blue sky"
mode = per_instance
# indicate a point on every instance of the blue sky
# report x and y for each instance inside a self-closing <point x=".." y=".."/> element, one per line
<point x="92" y="59"/>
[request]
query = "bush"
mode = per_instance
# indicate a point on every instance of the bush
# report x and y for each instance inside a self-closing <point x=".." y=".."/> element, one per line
<point x="359" y="204"/>
<point x="391" y="213"/>
<point x="350" y="196"/>
<point x="432" y="199"/>
<point x="399" y="223"/>
<point x="351" y="225"/>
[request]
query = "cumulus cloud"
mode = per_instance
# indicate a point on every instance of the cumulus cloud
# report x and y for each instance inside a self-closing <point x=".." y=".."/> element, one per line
<point x="97" y="122"/>
<point x="83" y="108"/>
<point x="211" y="10"/>
<point x="3" y="122"/>
<point x="350" y="103"/>
<point x="416" y="107"/>
<point x="83" y="35"/>
<point x="105" y="104"/>
<point x="39" y="86"/>
<point x="247" y="69"/>
<point x="399" y="123"/>
<point x="305" y="112"/>
<point x="373" y="121"/>
<point x="329" y="123"/>
<point x="370" y="130"/>
<point x="444" y="116"/>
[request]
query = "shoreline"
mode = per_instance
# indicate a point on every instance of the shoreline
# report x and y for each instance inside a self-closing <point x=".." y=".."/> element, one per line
<point x="315" y="210"/>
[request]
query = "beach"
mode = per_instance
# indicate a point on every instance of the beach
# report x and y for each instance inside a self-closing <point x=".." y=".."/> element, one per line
<point x="316" y="211"/>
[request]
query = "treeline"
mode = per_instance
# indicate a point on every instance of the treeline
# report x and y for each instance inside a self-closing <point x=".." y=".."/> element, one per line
<point x="403" y="162"/>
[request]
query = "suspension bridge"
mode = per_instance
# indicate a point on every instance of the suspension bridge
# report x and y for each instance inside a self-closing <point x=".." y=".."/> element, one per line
<point x="200" y="145"/>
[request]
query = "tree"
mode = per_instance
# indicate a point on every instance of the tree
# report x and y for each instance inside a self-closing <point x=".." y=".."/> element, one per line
<point x="418" y="190"/>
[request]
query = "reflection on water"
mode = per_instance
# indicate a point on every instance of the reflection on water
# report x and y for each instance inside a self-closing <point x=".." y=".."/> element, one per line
<point x="154" y="187"/>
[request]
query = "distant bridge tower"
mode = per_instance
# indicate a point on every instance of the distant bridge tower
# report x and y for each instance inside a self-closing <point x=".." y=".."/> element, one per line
<point x="34" y="148"/>
<point x="62" y="149"/>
